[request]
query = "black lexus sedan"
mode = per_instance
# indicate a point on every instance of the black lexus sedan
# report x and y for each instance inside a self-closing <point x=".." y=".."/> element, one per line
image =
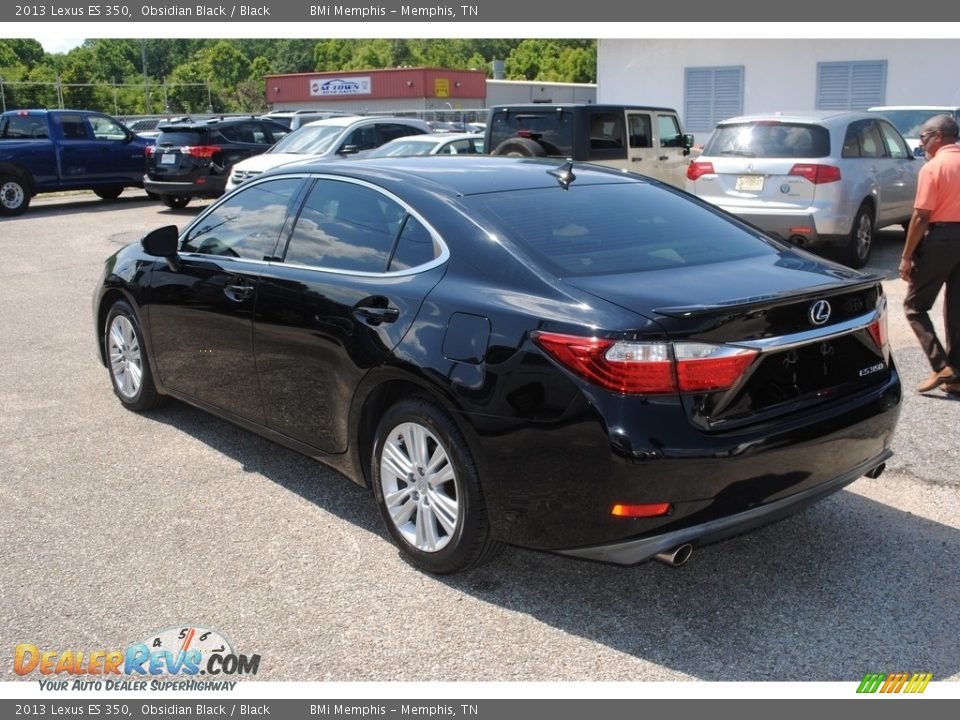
<point x="514" y="351"/>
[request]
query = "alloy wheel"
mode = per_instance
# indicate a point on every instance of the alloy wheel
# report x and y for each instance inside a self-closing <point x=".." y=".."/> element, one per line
<point x="126" y="362"/>
<point x="420" y="488"/>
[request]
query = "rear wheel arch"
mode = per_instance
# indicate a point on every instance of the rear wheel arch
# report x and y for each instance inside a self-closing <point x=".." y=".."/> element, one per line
<point x="385" y="395"/>
<point x="21" y="173"/>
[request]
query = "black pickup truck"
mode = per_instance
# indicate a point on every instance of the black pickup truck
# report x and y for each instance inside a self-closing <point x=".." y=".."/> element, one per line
<point x="51" y="150"/>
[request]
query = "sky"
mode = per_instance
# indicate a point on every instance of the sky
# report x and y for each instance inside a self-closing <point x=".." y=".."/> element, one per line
<point x="59" y="44"/>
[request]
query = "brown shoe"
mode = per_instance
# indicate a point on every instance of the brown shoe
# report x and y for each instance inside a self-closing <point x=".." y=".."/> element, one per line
<point x="951" y="388"/>
<point x="937" y="379"/>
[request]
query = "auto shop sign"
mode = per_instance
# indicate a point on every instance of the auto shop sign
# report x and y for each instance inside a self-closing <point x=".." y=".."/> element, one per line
<point x="337" y="87"/>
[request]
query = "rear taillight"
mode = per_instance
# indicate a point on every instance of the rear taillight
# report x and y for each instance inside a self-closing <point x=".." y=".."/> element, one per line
<point x="148" y="151"/>
<point x="201" y="151"/>
<point x="641" y="368"/>
<point x="817" y="174"/>
<point x="696" y="169"/>
<point x="878" y="329"/>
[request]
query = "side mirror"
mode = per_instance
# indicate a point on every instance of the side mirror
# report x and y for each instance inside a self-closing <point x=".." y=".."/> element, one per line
<point x="687" y="143"/>
<point x="163" y="242"/>
<point x="918" y="152"/>
<point x="349" y="150"/>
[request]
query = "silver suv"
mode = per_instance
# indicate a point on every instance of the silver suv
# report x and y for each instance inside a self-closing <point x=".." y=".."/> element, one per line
<point x="822" y="180"/>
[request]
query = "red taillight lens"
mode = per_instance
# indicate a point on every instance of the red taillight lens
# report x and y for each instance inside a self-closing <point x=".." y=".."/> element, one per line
<point x="878" y="330"/>
<point x="645" y="510"/>
<point x="702" y="366"/>
<point x="148" y="150"/>
<point x="817" y="174"/>
<point x="696" y="169"/>
<point x="639" y="368"/>
<point x="201" y="151"/>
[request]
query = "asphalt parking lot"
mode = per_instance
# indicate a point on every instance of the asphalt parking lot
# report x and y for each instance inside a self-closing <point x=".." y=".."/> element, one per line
<point x="117" y="525"/>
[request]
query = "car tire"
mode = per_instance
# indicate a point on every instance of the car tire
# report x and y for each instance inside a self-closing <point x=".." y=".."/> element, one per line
<point x="428" y="491"/>
<point x="127" y="361"/>
<point x="14" y="195"/>
<point x="111" y="193"/>
<point x="520" y="147"/>
<point x="856" y="254"/>
<point x="175" y="201"/>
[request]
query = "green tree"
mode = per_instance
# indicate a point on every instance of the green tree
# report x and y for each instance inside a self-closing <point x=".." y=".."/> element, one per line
<point x="187" y="88"/>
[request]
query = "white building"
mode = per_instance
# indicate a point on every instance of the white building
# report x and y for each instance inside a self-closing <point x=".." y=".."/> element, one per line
<point x="710" y="80"/>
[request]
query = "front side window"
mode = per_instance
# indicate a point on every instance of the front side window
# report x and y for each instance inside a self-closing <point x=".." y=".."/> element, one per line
<point x="105" y="128"/>
<point x="896" y="147"/>
<point x="248" y="225"/>
<point x="669" y="129"/>
<point x="345" y="226"/>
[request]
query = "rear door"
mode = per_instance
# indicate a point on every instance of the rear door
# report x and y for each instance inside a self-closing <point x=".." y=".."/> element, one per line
<point x="902" y="187"/>
<point x="352" y="280"/>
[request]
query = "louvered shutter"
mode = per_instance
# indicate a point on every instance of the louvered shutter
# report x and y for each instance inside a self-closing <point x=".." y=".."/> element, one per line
<point x="851" y="85"/>
<point x="711" y="94"/>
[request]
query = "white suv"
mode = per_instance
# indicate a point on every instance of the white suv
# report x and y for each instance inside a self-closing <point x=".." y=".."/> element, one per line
<point x="822" y="180"/>
<point x="350" y="136"/>
<point x="908" y="119"/>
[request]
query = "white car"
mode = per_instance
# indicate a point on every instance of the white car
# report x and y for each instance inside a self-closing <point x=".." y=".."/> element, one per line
<point x="436" y="144"/>
<point x="350" y="136"/>
<point x="908" y="119"/>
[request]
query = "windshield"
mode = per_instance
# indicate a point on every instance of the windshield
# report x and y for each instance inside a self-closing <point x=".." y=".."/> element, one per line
<point x="403" y="147"/>
<point x="623" y="228"/>
<point x="769" y="140"/>
<point x="909" y="122"/>
<point x="309" y="140"/>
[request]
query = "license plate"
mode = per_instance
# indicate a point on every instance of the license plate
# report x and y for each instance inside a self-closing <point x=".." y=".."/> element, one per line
<point x="750" y="183"/>
<point x="171" y="159"/>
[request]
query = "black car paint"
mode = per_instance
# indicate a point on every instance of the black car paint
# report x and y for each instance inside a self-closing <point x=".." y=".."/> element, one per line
<point x="554" y="451"/>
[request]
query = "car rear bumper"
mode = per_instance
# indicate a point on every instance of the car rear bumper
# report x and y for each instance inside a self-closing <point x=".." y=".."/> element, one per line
<point x="806" y="227"/>
<point x="211" y="186"/>
<point x="558" y="493"/>
<point x="636" y="551"/>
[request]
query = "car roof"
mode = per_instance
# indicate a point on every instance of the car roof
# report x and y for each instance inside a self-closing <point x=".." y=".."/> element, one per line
<point x="437" y="138"/>
<point x="576" y="106"/>
<point x="212" y="122"/>
<point x="461" y="175"/>
<point x="800" y="116"/>
<point x="945" y="108"/>
<point x="348" y="120"/>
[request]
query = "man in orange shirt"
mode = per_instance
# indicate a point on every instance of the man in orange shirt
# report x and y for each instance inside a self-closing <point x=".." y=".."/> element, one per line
<point x="931" y="254"/>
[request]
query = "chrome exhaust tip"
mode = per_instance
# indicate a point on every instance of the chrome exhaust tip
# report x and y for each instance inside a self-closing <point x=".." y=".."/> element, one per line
<point x="676" y="557"/>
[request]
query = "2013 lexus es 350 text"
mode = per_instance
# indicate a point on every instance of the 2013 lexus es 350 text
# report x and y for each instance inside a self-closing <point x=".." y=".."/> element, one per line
<point x="514" y="351"/>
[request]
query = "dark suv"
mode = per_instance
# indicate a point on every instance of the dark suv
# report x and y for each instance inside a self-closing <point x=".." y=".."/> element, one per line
<point x="194" y="158"/>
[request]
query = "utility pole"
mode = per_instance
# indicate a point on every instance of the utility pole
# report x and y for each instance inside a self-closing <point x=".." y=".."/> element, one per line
<point x="146" y="78"/>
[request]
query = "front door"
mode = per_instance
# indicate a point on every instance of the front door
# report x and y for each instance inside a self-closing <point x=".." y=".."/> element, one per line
<point x="201" y="312"/>
<point x="672" y="158"/>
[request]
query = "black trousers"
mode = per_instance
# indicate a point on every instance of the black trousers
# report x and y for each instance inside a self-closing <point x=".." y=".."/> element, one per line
<point x="936" y="263"/>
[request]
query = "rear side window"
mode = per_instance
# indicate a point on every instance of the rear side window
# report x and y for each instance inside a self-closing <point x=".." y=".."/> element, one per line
<point x="770" y="140"/>
<point x="863" y="140"/>
<point x="552" y="128"/>
<point x="344" y="226"/>
<point x="392" y="131"/>
<point x="610" y="229"/>
<point x="23" y="126"/>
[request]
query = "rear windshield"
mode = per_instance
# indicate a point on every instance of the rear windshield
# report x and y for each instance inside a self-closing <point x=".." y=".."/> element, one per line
<point x="183" y="137"/>
<point x="552" y="128"/>
<point x="770" y="140"/>
<point x="609" y="229"/>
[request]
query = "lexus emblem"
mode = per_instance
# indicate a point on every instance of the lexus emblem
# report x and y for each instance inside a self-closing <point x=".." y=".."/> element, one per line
<point x="819" y="312"/>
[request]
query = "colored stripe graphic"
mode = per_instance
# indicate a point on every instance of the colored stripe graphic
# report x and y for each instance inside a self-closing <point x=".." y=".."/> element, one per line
<point x="894" y="683"/>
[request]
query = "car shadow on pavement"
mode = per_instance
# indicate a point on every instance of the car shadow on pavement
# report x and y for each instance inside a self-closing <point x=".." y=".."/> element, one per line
<point x="86" y="205"/>
<point x="847" y="586"/>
